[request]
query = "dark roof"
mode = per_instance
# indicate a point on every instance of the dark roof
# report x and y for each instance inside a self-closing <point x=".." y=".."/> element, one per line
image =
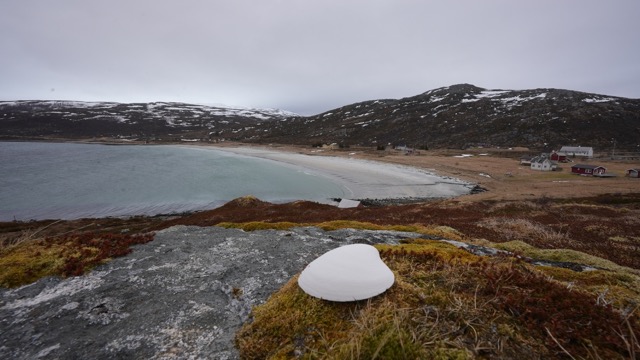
<point x="583" y="166"/>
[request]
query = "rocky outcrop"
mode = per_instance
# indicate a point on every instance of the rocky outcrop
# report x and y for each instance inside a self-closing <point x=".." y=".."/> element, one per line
<point x="183" y="295"/>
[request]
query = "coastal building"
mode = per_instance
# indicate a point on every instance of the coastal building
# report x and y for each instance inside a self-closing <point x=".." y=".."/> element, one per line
<point x="525" y="160"/>
<point x="583" y="169"/>
<point x="576" y="151"/>
<point x="542" y="163"/>
<point x="556" y="156"/>
<point x="634" y="173"/>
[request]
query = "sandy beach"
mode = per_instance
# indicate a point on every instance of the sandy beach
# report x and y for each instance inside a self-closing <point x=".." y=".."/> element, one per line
<point x="364" y="178"/>
<point x="372" y="173"/>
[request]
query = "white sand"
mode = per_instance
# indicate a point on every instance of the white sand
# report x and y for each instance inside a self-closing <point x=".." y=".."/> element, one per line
<point x="365" y="179"/>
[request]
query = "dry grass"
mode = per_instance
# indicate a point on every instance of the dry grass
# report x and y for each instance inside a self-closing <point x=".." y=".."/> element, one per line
<point x="604" y="226"/>
<point x="24" y="236"/>
<point x="523" y="229"/>
<point x="445" y="304"/>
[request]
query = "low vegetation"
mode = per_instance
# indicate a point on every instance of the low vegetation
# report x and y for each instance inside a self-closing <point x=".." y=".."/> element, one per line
<point x="603" y="226"/>
<point x="449" y="304"/>
<point x="29" y="258"/>
<point x="446" y="303"/>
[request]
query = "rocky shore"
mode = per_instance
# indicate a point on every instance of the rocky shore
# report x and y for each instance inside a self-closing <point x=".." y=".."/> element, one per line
<point x="183" y="295"/>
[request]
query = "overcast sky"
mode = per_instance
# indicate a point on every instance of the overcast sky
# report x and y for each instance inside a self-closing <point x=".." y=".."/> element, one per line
<point x="310" y="56"/>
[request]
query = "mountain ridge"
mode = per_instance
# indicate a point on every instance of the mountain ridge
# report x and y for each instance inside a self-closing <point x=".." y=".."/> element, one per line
<point x="455" y="116"/>
<point x="465" y="115"/>
<point x="149" y="121"/>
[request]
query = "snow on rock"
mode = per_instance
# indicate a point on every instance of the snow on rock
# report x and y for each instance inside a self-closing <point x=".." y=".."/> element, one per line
<point x="346" y="203"/>
<point x="491" y="93"/>
<point x="598" y="100"/>
<point x="348" y="273"/>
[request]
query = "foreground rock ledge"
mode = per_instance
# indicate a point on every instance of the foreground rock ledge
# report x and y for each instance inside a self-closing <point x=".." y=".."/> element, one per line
<point x="183" y="295"/>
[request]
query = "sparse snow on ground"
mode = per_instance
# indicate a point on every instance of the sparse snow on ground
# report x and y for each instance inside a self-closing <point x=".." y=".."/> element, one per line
<point x="598" y="100"/>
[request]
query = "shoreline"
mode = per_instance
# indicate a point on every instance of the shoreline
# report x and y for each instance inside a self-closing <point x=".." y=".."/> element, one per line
<point x="371" y="182"/>
<point x="366" y="179"/>
<point x="495" y="172"/>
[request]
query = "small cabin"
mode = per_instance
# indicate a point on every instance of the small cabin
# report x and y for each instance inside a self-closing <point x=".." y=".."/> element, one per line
<point x="556" y="156"/>
<point x="583" y="169"/>
<point x="634" y="173"/>
<point x="525" y="160"/>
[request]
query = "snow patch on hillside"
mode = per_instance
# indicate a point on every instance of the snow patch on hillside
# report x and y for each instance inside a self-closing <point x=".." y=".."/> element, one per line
<point x="598" y="100"/>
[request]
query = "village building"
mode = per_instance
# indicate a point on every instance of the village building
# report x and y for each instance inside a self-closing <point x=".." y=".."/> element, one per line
<point x="634" y="173"/>
<point x="332" y="146"/>
<point x="404" y="148"/>
<point x="542" y="163"/>
<point x="556" y="156"/>
<point x="575" y="151"/>
<point x="407" y="150"/>
<point x="583" y="169"/>
<point x="525" y="160"/>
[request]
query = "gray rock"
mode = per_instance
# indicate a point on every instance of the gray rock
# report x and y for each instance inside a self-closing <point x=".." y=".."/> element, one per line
<point x="183" y="295"/>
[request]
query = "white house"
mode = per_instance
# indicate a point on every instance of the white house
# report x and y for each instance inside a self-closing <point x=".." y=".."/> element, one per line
<point x="542" y="163"/>
<point x="571" y="151"/>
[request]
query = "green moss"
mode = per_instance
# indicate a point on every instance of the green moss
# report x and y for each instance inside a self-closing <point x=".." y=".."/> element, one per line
<point x="289" y="320"/>
<point x="562" y="255"/>
<point x="28" y="262"/>
<point x="67" y="255"/>
<point x="422" y="247"/>
<point x="348" y="224"/>
<point x="449" y="354"/>
<point x="443" y="232"/>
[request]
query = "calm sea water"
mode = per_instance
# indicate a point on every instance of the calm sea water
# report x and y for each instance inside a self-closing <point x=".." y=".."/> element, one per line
<point x="70" y="181"/>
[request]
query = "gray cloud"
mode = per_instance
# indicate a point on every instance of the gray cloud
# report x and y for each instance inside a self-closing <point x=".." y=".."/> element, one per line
<point x="311" y="56"/>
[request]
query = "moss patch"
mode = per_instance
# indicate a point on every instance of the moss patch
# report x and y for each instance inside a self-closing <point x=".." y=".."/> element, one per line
<point x="66" y="255"/>
<point x="446" y="304"/>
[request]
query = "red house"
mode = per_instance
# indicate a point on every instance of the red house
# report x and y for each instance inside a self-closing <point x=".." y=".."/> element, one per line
<point x="555" y="156"/>
<point x="583" y="169"/>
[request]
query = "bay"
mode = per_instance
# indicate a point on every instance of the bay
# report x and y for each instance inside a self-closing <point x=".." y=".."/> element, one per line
<point x="71" y="180"/>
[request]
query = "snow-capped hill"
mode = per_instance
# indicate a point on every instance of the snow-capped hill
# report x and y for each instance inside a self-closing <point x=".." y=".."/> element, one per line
<point x="137" y="120"/>
<point x="223" y="110"/>
<point x="466" y="115"/>
<point x="448" y="117"/>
